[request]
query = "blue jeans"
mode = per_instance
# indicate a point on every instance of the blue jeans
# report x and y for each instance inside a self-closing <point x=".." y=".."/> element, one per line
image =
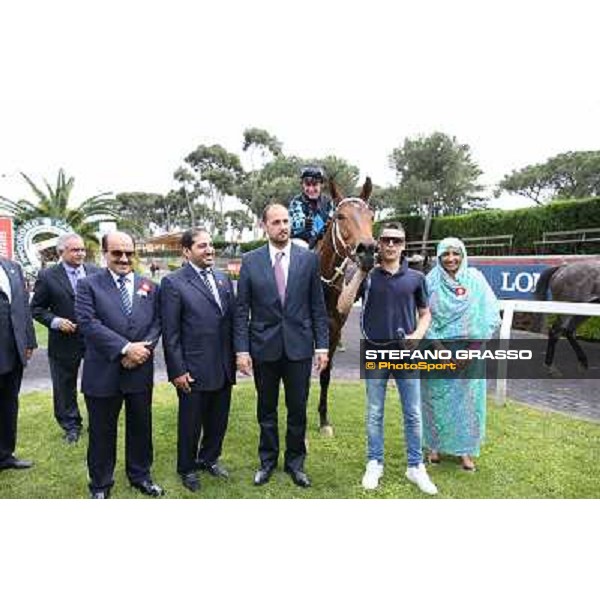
<point x="409" y="390"/>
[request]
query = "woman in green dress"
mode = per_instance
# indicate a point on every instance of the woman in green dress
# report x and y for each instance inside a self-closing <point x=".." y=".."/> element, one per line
<point x="463" y="307"/>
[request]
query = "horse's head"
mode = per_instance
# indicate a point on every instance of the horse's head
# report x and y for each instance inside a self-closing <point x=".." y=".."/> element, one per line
<point x="352" y="229"/>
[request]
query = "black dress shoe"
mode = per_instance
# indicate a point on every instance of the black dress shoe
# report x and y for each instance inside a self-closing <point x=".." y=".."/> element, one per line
<point x="12" y="462"/>
<point x="149" y="488"/>
<point x="191" y="482"/>
<point x="102" y="495"/>
<point x="262" y="476"/>
<point x="216" y="470"/>
<point x="300" y="478"/>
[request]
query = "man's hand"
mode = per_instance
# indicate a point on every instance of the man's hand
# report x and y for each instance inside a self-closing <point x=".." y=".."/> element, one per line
<point x="66" y="326"/>
<point x="29" y="353"/>
<point x="412" y="340"/>
<point x="321" y="361"/>
<point x="138" y="352"/>
<point x="183" y="382"/>
<point x="244" y="364"/>
<point x="127" y="363"/>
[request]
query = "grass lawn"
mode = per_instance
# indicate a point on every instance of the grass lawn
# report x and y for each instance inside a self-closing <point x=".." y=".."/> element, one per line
<point x="529" y="454"/>
<point x="41" y="334"/>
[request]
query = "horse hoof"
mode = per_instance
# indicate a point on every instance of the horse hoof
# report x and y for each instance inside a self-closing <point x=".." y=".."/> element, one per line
<point x="327" y="431"/>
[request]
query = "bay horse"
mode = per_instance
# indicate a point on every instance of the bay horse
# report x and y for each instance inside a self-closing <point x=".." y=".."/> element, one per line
<point x="569" y="282"/>
<point x="348" y="240"/>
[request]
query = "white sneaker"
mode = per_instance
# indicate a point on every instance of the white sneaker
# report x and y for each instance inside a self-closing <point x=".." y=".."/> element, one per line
<point x="372" y="475"/>
<point x="418" y="476"/>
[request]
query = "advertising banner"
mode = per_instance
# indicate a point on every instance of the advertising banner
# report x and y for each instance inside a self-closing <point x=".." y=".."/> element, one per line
<point x="6" y="237"/>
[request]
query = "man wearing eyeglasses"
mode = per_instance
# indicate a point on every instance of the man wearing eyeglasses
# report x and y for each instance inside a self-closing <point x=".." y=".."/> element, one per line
<point x="119" y="317"/>
<point x="310" y="210"/>
<point x="394" y="307"/>
<point x="197" y="305"/>
<point x="53" y="305"/>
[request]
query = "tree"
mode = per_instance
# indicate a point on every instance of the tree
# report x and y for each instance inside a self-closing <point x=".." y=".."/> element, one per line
<point x="139" y="211"/>
<point x="238" y="220"/>
<point x="567" y="175"/>
<point x="437" y="174"/>
<point x="55" y="202"/>
<point x="262" y="141"/>
<point x="219" y="170"/>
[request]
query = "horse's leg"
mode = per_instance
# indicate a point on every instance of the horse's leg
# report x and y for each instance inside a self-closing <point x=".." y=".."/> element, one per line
<point x="553" y="337"/>
<point x="570" y="329"/>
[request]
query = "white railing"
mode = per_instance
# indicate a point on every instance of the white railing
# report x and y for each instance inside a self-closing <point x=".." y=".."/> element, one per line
<point x="510" y="307"/>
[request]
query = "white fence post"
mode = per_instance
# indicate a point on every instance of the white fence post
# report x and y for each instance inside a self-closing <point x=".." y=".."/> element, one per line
<point x="510" y="307"/>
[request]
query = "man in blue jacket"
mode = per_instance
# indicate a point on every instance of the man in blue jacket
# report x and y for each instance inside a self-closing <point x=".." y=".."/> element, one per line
<point x="280" y="323"/>
<point x="119" y="317"/>
<point x="17" y="342"/>
<point x="197" y="306"/>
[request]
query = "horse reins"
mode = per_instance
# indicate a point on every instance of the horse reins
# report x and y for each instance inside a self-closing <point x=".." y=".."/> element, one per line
<point x="349" y="254"/>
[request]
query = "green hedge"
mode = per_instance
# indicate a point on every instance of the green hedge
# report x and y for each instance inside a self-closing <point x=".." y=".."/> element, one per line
<point x="527" y="225"/>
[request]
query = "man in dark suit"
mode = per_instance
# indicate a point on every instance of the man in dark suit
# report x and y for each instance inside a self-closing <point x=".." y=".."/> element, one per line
<point x="17" y="342"/>
<point x="197" y="306"/>
<point x="280" y="320"/>
<point x="53" y="305"/>
<point x="119" y="317"/>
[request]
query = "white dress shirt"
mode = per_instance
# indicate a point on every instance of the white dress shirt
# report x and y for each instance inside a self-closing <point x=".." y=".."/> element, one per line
<point x="128" y="283"/>
<point x="5" y="284"/>
<point x="210" y="276"/>
<point x="285" y="259"/>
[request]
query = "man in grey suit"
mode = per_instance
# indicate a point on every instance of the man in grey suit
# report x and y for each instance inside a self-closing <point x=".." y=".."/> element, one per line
<point x="197" y="306"/>
<point x="53" y="305"/>
<point x="280" y="322"/>
<point x="17" y="342"/>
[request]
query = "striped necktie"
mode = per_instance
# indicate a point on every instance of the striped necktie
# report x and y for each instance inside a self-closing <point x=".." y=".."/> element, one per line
<point x="125" y="298"/>
<point x="209" y="283"/>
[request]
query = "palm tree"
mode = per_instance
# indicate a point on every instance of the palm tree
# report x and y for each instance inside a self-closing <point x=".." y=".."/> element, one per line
<point x="54" y="203"/>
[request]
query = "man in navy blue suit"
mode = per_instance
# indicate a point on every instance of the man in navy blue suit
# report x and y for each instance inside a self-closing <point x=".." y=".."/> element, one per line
<point x="119" y="317"/>
<point x="53" y="305"/>
<point x="17" y="342"/>
<point x="197" y="306"/>
<point x="280" y="322"/>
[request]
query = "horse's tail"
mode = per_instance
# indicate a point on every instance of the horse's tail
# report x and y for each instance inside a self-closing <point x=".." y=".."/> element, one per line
<point x="541" y="293"/>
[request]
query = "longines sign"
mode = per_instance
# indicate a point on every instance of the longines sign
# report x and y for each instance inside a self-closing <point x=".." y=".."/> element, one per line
<point x="28" y="244"/>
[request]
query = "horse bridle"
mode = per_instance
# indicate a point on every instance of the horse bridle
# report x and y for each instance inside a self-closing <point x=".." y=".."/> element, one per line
<point x="349" y="253"/>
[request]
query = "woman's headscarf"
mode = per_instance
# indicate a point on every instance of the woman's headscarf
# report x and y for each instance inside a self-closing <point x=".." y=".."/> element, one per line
<point x="464" y="307"/>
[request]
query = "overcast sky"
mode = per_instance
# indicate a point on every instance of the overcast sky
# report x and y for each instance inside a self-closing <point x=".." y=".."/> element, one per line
<point x="118" y="93"/>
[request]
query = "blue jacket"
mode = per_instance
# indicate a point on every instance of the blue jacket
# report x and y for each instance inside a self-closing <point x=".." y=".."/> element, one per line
<point x="300" y="208"/>
<point x="197" y="334"/>
<point x="265" y="328"/>
<point x="22" y="335"/>
<point x="106" y="329"/>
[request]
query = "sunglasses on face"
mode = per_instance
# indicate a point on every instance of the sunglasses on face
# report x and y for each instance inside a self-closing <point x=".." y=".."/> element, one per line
<point x="396" y="241"/>
<point x="118" y="253"/>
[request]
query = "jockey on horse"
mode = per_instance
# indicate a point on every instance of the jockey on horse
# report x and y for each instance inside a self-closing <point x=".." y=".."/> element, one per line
<point x="310" y="211"/>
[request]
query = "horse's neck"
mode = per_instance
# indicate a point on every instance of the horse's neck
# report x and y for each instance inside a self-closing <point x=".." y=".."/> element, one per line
<point x="328" y="257"/>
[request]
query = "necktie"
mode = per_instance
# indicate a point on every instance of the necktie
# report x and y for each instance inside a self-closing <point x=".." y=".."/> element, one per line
<point x="279" y="276"/>
<point x="209" y="283"/>
<point x="74" y="276"/>
<point x="125" y="298"/>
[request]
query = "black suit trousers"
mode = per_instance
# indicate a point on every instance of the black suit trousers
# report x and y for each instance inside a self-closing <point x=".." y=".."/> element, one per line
<point x="295" y="375"/>
<point x="10" y="384"/>
<point x="64" y="391"/>
<point x="103" y="417"/>
<point x="201" y="415"/>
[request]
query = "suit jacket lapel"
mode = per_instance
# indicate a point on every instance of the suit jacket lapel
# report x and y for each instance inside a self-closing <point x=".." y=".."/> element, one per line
<point x="111" y="287"/>
<point x="12" y="278"/>
<point x="62" y="276"/>
<point x="194" y="279"/>
<point x="268" y="271"/>
<point x="293" y="269"/>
